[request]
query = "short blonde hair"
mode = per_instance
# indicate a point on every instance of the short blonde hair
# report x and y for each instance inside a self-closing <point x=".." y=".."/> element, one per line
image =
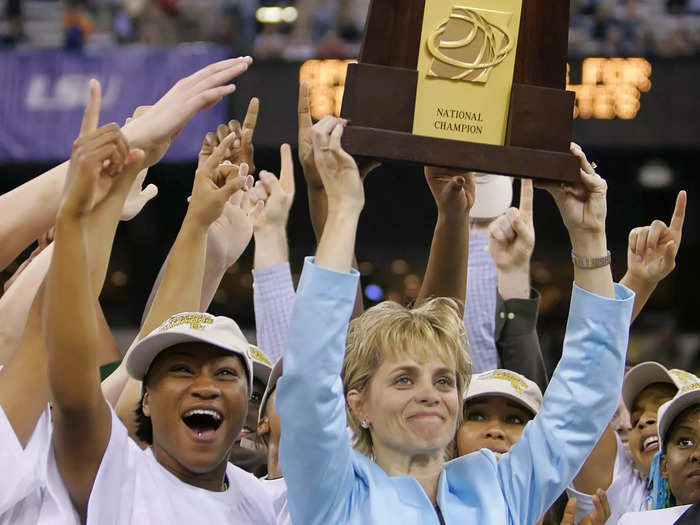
<point x="434" y="329"/>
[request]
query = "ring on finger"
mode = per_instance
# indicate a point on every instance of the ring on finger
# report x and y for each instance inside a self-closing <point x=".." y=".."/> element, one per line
<point x="325" y="148"/>
<point x="594" y="165"/>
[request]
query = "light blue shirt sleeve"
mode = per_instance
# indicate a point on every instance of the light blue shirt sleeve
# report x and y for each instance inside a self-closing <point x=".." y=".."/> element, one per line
<point x="578" y="404"/>
<point x="315" y="451"/>
<point x="273" y="300"/>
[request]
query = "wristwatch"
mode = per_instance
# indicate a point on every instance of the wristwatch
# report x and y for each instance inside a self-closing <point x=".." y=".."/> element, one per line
<point x="590" y="263"/>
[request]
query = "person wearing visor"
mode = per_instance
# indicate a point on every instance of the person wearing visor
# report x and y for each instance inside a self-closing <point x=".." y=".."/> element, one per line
<point x="651" y="257"/>
<point x="675" y="469"/>
<point x="625" y="477"/>
<point x="195" y="368"/>
<point x="248" y="452"/>
<point x="497" y="406"/>
<point x="398" y="377"/>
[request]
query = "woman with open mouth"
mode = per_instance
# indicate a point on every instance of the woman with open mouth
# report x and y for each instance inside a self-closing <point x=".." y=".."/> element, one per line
<point x="675" y="470"/>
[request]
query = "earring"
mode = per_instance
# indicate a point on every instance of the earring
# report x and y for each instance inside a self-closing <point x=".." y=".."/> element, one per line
<point x="364" y="424"/>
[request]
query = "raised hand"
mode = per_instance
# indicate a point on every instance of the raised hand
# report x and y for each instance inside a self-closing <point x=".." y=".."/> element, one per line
<point x="651" y="252"/>
<point x="582" y="205"/>
<point x="97" y="159"/>
<point x="230" y="234"/>
<point x="138" y="196"/>
<point x="277" y="194"/>
<point x="337" y="169"/>
<point x="215" y="183"/>
<point x="452" y="190"/>
<point x="186" y="98"/>
<point x="512" y="235"/>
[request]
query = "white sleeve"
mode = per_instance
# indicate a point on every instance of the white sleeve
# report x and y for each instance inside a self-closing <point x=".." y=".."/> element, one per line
<point x="112" y="496"/>
<point x="23" y="480"/>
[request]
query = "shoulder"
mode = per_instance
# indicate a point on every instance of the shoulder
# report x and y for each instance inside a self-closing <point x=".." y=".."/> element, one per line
<point x="249" y="488"/>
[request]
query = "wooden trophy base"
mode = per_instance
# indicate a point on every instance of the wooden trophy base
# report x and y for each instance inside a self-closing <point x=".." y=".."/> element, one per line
<point x="379" y="102"/>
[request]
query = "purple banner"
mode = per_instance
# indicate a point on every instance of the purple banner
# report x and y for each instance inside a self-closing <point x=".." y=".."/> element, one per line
<point x="43" y="95"/>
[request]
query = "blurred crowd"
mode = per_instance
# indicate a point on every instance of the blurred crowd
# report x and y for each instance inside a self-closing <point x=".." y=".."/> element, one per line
<point x="300" y="29"/>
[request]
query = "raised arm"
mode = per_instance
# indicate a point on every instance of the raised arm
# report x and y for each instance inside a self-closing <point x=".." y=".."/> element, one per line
<point x="102" y="169"/>
<point x="318" y="200"/>
<point x="310" y="393"/>
<point x="30" y="209"/>
<point x="583" y="392"/>
<point x="651" y="254"/>
<point x="446" y="272"/>
<point x="511" y="243"/>
<point x="273" y="290"/>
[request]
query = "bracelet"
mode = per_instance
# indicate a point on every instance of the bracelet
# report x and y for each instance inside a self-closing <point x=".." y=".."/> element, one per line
<point x="590" y="263"/>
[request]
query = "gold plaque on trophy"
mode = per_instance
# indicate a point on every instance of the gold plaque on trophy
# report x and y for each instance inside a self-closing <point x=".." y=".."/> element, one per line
<point x="465" y="69"/>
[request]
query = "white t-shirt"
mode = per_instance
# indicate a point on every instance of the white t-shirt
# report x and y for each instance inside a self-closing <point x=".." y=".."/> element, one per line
<point x="23" y="479"/>
<point x="42" y="498"/>
<point x="131" y="487"/>
<point x="277" y="489"/>
<point x="654" y="517"/>
<point x="626" y="493"/>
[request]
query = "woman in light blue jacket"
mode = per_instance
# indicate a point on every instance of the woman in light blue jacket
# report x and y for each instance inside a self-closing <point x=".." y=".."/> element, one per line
<point x="404" y="374"/>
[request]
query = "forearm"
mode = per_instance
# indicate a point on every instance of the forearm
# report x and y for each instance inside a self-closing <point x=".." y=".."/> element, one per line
<point x="17" y="301"/>
<point x="318" y="210"/>
<point x="71" y="334"/>
<point x="271" y="247"/>
<point x="337" y="244"/>
<point x="514" y="283"/>
<point x="599" y="280"/>
<point x="24" y="389"/>
<point x="181" y="287"/>
<point x="214" y="271"/>
<point x="29" y="211"/>
<point x="446" y="272"/>
<point x="642" y="289"/>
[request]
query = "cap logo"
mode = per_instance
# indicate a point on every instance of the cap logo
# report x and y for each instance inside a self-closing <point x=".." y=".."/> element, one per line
<point x="518" y="384"/>
<point x="689" y="387"/>
<point x="258" y="355"/>
<point x="196" y="321"/>
<point x="683" y="376"/>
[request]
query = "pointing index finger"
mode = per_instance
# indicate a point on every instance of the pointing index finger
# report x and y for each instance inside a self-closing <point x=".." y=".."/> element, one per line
<point x="91" y="116"/>
<point x="679" y="212"/>
<point x="251" y="117"/>
<point x="526" y="196"/>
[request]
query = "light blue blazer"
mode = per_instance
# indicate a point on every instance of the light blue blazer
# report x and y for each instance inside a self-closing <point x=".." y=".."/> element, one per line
<point x="330" y="483"/>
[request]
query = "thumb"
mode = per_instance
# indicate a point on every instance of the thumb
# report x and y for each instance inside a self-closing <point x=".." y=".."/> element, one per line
<point x="569" y="512"/>
<point x="455" y="185"/>
<point x="135" y="156"/>
<point x="257" y="209"/>
<point x="91" y="117"/>
<point x="149" y="192"/>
